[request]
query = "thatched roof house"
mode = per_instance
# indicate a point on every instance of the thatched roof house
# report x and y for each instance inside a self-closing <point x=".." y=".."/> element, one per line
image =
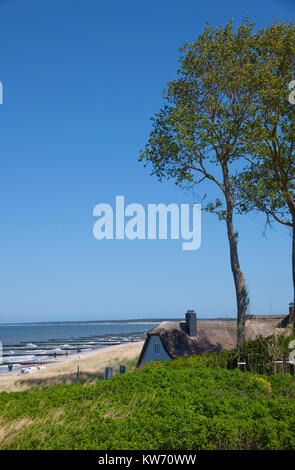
<point x="172" y="339"/>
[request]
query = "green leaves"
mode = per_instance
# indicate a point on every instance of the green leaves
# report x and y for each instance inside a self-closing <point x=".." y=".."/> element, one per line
<point x="188" y="403"/>
<point x="201" y="124"/>
<point x="267" y="184"/>
<point x="229" y="104"/>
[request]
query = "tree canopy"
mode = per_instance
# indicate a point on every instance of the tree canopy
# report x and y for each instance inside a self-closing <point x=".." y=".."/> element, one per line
<point x="219" y="116"/>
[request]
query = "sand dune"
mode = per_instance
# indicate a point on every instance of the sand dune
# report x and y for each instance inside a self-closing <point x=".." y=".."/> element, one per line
<point x="91" y="365"/>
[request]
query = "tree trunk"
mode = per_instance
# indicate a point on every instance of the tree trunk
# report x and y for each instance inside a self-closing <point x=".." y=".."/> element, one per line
<point x="239" y="280"/>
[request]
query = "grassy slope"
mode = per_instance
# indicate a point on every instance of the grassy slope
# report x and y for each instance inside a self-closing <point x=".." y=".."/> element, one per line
<point x="181" y="404"/>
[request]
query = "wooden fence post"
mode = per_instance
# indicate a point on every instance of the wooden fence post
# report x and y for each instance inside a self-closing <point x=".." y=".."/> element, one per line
<point x="78" y="374"/>
<point x="108" y="373"/>
<point x="122" y="369"/>
<point x="242" y="364"/>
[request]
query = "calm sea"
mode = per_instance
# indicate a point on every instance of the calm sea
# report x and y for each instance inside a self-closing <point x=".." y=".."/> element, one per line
<point x="14" y="334"/>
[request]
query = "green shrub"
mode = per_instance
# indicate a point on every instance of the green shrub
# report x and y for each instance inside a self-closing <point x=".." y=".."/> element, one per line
<point x="189" y="403"/>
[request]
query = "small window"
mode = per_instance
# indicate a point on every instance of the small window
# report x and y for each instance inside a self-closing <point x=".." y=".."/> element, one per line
<point x="157" y="348"/>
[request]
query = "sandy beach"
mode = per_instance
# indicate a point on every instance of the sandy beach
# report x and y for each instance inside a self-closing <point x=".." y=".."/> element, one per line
<point x="64" y="370"/>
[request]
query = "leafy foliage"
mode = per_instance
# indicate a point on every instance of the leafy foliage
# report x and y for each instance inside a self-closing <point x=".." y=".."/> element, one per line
<point x="200" y="134"/>
<point x="268" y="183"/>
<point x="189" y="403"/>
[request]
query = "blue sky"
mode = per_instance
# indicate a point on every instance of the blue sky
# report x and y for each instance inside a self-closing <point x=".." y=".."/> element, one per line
<point x="81" y="81"/>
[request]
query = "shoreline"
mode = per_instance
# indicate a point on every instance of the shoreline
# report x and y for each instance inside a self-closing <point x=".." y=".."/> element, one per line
<point x="152" y="322"/>
<point x="35" y="353"/>
<point x="64" y="369"/>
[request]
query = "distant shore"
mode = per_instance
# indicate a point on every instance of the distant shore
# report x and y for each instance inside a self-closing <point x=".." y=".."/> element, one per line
<point x="144" y="321"/>
<point x="64" y="369"/>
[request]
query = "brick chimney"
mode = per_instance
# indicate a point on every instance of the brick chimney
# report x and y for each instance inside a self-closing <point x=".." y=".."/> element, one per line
<point x="191" y="322"/>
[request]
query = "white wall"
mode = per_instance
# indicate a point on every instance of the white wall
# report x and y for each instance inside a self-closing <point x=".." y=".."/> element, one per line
<point x="150" y="352"/>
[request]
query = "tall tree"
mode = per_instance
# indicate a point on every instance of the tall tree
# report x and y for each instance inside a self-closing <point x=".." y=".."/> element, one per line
<point x="198" y="134"/>
<point x="268" y="184"/>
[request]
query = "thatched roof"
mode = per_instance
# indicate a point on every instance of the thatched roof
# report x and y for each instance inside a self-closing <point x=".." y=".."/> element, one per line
<point x="212" y="336"/>
<point x="265" y="325"/>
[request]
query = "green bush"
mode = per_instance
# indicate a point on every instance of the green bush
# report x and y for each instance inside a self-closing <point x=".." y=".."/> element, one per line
<point x="259" y="356"/>
<point x="189" y="403"/>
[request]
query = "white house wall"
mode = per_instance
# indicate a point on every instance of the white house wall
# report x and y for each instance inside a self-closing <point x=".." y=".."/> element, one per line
<point x="151" y="354"/>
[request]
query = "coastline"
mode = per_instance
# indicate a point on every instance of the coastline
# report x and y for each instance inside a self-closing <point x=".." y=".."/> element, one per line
<point x="64" y="369"/>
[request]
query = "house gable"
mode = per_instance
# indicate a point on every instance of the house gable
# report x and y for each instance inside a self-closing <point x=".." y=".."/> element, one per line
<point x="154" y="350"/>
